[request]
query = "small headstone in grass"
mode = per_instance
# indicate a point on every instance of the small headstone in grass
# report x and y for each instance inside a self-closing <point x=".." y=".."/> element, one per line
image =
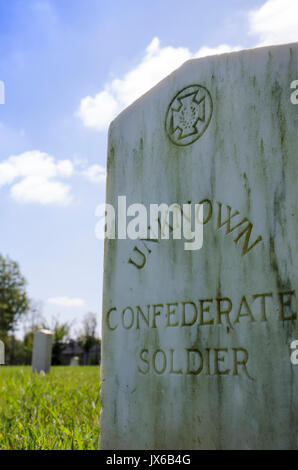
<point x="74" y="361"/>
<point x="42" y="351"/>
<point x="2" y="353"/>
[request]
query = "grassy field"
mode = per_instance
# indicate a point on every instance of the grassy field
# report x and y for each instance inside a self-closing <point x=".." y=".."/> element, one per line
<point x="57" y="411"/>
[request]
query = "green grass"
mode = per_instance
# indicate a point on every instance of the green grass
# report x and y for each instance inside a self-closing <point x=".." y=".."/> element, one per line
<point x="57" y="411"/>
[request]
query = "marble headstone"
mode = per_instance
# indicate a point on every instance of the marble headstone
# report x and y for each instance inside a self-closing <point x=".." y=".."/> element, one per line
<point x="2" y="353"/>
<point x="42" y="351"/>
<point x="196" y="344"/>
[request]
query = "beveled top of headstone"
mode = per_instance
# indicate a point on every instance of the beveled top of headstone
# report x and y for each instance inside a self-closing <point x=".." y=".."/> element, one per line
<point x="45" y="332"/>
<point x="196" y="344"/>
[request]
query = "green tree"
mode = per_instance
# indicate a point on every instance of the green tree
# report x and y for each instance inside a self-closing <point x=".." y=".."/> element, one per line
<point x="87" y="338"/>
<point x="14" y="301"/>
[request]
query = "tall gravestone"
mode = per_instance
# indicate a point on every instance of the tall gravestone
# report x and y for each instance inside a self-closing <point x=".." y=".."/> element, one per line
<point x="196" y="344"/>
<point x="42" y="351"/>
<point x="2" y="353"/>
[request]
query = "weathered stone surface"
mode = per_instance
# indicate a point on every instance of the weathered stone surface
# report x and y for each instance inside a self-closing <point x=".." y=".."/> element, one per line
<point x="42" y="351"/>
<point x="207" y="363"/>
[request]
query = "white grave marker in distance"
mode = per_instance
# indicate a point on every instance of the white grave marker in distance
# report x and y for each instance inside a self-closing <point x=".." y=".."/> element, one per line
<point x="42" y="351"/>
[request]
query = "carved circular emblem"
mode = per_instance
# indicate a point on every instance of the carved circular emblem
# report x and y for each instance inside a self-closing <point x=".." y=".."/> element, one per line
<point x="188" y="115"/>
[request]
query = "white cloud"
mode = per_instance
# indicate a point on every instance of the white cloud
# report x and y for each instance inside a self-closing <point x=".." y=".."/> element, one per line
<point x="158" y="62"/>
<point x="65" y="168"/>
<point x="34" y="177"/>
<point x="66" y="301"/>
<point x="95" y="173"/>
<point x="97" y="111"/>
<point x="34" y="163"/>
<point x="275" y="22"/>
<point x="41" y="190"/>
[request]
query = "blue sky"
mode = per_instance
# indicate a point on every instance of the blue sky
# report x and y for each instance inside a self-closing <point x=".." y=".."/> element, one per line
<point x="69" y="66"/>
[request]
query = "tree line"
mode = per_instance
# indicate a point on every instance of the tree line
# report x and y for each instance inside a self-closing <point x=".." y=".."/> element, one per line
<point x="16" y="307"/>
